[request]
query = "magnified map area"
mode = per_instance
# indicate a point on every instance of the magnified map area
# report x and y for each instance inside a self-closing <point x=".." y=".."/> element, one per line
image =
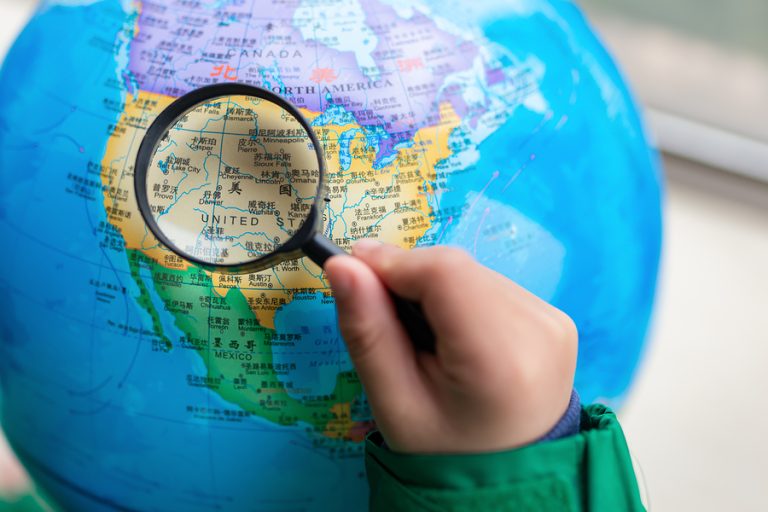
<point x="232" y="180"/>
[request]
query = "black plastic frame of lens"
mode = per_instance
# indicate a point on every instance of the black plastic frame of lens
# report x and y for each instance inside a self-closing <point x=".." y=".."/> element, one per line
<point x="168" y="118"/>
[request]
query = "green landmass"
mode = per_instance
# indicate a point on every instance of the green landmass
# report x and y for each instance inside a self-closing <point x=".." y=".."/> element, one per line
<point x="237" y="352"/>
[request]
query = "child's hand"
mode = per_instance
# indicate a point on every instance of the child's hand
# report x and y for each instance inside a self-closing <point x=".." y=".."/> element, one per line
<point x="503" y="372"/>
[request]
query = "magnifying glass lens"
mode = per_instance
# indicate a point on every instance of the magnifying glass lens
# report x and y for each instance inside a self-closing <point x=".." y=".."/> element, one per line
<point x="229" y="177"/>
<point x="232" y="180"/>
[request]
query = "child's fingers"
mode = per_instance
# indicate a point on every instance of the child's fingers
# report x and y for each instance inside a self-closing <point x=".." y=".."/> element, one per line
<point x="444" y="281"/>
<point x="377" y="344"/>
<point x="437" y="277"/>
<point x="415" y="274"/>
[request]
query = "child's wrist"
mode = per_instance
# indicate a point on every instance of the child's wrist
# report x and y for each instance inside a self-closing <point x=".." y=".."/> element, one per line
<point x="568" y="424"/>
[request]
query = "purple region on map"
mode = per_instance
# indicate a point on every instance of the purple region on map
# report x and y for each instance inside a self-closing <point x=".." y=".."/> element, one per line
<point x="186" y="45"/>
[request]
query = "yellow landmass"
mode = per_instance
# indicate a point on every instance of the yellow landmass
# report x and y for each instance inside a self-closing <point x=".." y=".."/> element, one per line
<point x="390" y="204"/>
<point x="341" y="422"/>
<point x="117" y="178"/>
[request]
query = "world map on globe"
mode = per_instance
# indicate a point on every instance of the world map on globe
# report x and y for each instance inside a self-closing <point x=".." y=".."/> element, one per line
<point x="132" y="379"/>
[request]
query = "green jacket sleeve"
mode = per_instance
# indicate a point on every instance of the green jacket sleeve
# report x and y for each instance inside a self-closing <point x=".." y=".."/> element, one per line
<point x="590" y="471"/>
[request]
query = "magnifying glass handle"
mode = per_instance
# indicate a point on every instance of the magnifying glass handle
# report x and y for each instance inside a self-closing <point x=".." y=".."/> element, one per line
<point x="412" y="317"/>
<point x="320" y="249"/>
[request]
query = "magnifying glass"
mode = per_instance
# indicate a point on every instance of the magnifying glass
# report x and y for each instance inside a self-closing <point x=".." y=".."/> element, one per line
<point x="231" y="178"/>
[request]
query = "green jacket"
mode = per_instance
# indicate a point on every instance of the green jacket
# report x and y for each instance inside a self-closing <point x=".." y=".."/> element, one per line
<point x="589" y="471"/>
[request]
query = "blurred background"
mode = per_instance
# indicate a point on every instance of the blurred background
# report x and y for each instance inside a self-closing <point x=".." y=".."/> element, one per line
<point x="696" y="417"/>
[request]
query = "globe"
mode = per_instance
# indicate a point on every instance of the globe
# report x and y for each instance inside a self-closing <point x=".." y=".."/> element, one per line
<point x="134" y="380"/>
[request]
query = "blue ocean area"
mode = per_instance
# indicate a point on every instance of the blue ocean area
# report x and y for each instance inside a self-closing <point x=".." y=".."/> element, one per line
<point x="522" y="164"/>
<point x="319" y="353"/>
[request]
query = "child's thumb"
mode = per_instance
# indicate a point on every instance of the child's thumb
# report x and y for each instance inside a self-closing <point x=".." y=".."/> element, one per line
<point x="379" y="348"/>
